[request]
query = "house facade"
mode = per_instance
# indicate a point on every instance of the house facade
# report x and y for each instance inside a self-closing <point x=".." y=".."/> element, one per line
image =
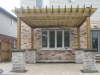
<point x="7" y="34"/>
<point x="54" y="28"/>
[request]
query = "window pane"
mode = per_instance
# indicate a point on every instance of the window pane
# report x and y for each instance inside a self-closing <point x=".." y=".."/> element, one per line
<point x="66" y="39"/>
<point x="95" y="39"/>
<point x="44" y="39"/>
<point x="59" y="38"/>
<point x="39" y="3"/>
<point x="52" y="39"/>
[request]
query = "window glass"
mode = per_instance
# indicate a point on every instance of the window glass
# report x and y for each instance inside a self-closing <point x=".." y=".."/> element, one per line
<point x="39" y="3"/>
<point x="52" y="39"/>
<point x="66" y="39"/>
<point x="55" y="39"/>
<point x="59" y="38"/>
<point x="95" y="40"/>
<point x="44" y="39"/>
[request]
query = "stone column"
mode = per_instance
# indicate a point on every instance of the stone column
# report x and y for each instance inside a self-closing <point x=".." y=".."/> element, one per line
<point x="30" y="56"/>
<point x="79" y="53"/>
<point x="89" y="62"/>
<point x="18" y="60"/>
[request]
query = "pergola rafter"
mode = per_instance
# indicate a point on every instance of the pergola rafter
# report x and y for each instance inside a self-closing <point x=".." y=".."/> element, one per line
<point x="45" y="17"/>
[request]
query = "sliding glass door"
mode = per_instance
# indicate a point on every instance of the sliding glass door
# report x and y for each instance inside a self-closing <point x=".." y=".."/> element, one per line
<point x="96" y="40"/>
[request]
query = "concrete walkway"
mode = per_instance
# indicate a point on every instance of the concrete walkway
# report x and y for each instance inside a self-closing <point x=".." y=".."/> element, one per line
<point x="49" y="69"/>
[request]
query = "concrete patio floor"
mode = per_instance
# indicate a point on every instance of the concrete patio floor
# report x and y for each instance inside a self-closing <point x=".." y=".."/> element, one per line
<point x="49" y="69"/>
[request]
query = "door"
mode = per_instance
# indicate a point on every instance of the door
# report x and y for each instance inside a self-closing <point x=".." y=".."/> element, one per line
<point x="96" y="40"/>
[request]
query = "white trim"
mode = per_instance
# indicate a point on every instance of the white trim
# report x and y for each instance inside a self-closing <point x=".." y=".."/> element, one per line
<point x="55" y="38"/>
<point x="54" y="49"/>
<point x="48" y="39"/>
<point x="63" y="39"/>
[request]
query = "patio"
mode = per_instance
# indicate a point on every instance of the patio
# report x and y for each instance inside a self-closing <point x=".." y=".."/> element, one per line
<point x="49" y="69"/>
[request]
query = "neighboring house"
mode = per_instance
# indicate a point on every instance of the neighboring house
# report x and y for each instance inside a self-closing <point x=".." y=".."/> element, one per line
<point x="54" y="29"/>
<point x="7" y="34"/>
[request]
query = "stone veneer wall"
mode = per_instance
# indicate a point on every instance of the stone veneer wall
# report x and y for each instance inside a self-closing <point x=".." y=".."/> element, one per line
<point x="26" y="43"/>
<point x="25" y="36"/>
<point x="73" y="37"/>
<point x="37" y="38"/>
<point x="95" y="24"/>
<point x="83" y="36"/>
<point x="55" y="56"/>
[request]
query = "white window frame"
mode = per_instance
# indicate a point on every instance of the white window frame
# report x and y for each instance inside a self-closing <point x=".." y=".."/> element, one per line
<point x="56" y="48"/>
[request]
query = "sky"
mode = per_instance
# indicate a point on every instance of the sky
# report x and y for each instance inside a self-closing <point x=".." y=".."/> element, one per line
<point x="9" y="4"/>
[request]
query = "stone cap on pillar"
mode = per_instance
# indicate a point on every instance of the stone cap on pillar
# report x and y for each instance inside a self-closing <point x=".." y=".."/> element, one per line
<point x="79" y="49"/>
<point x="18" y="50"/>
<point x="31" y="49"/>
<point x="86" y="49"/>
<point x="89" y="50"/>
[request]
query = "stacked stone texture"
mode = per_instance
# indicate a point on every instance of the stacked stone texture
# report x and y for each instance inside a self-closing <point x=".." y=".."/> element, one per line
<point x="73" y="38"/>
<point x="89" y="63"/>
<point x="83" y="36"/>
<point x="55" y="55"/>
<point x="26" y="42"/>
<point x="79" y="54"/>
<point x="30" y="56"/>
<point x="18" y="61"/>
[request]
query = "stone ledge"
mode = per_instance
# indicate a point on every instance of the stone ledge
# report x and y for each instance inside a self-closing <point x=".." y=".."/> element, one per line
<point x="89" y="71"/>
<point x="86" y="49"/>
<point x="19" y="71"/>
<point x="55" y="61"/>
<point x="18" y="50"/>
<point x="30" y="49"/>
<point x="89" y="50"/>
<point x="78" y="49"/>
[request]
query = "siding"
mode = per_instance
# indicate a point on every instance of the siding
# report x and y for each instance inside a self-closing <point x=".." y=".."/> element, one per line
<point x="6" y="27"/>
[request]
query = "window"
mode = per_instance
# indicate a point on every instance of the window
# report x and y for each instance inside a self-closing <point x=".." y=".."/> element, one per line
<point x="55" y="39"/>
<point x="70" y="1"/>
<point x="52" y="39"/>
<point x="39" y="3"/>
<point x="96" y="40"/>
<point x="59" y="38"/>
<point x="44" y="39"/>
<point x="11" y="21"/>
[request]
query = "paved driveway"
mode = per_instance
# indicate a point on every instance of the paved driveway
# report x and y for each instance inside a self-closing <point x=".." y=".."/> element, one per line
<point x="49" y="69"/>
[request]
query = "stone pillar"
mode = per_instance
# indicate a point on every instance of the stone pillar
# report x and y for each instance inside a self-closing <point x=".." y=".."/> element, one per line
<point x="30" y="56"/>
<point x="89" y="62"/>
<point x="18" y="60"/>
<point x="79" y="53"/>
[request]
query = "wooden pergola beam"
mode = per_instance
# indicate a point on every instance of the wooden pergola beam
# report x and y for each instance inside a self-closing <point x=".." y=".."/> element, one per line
<point x="18" y="33"/>
<point x="36" y="11"/>
<point x="32" y="38"/>
<point x="89" y="42"/>
<point x="78" y="37"/>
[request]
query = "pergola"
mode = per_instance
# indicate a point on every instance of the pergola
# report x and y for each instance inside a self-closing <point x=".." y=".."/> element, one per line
<point x="55" y="17"/>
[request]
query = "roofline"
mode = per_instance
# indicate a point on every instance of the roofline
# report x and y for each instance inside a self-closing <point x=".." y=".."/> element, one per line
<point x="6" y="37"/>
<point x="7" y="13"/>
